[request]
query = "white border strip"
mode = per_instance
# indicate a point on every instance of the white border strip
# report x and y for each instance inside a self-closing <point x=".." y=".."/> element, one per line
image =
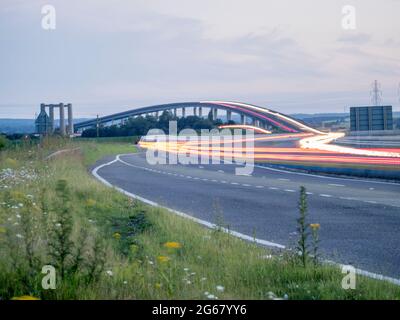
<point x="239" y="235"/>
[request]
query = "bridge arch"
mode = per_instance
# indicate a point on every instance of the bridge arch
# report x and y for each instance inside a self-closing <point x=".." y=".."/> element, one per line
<point x="261" y="117"/>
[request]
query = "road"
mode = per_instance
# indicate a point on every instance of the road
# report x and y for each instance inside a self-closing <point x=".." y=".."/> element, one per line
<point x="360" y="219"/>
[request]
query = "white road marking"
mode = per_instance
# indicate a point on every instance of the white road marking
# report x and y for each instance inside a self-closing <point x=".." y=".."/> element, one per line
<point x="309" y="193"/>
<point x="260" y="187"/>
<point x="201" y="167"/>
<point x="325" y="177"/>
<point x="283" y="179"/>
<point x="213" y="226"/>
<point x="221" y="171"/>
<point x="325" y="195"/>
<point x="234" y="183"/>
<point x="273" y="188"/>
<point x="289" y="190"/>
<point x="347" y="198"/>
<point x="246" y="185"/>
<point x="223" y="181"/>
<point x="336" y="185"/>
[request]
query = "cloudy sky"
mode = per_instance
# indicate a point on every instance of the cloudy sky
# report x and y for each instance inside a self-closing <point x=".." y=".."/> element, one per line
<point x="107" y="56"/>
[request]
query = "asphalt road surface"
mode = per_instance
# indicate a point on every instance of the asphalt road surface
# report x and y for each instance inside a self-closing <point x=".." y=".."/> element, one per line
<point x="360" y="219"/>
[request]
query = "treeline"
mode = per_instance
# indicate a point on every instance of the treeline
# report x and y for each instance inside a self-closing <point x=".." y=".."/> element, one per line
<point x="141" y="125"/>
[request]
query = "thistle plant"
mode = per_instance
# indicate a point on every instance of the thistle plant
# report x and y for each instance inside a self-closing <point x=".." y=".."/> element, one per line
<point x="302" y="227"/>
<point x="315" y="241"/>
<point x="61" y="245"/>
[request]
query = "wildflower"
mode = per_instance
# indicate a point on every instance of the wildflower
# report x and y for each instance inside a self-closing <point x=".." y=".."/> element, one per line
<point x="193" y="273"/>
<point x="220" y="288"/>
<point x="109" y="273"/>
<point x="285" y="296"/>
<point x="206" y="293"/>
<point x="25" y="298"/>
<point x="18" y="216"/>
<point x="173" y="245"/>
<point x="90" y="203"/>
<point x="203" y="279"/>
<point x="268" y="256"/>
<point x="158" y="285"/>
<point x="315" y="226"/>
<point x="125" y="282"/>
<point x="186" y="269"/>
<point x="2" y="230"/>
<point x="188" y="282"/>
<point x="163" y="259"/>
<point x="19" y="236"/>
<point x="117" y="236"/>
<point x="151" y="262"/>
<point x="58" y="225"/>
<point x="211" y="297"/>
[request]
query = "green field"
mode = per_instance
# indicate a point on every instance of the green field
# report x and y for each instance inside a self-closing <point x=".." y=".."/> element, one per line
<point x="107" y="246"/>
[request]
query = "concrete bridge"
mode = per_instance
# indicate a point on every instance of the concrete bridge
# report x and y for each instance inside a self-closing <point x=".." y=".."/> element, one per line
<point x="258" y="116"/>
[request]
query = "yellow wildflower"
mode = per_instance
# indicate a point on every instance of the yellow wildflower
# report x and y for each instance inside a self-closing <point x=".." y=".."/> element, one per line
<point x="163" y="259"/>
<point x="158" y="285"/>
<point x="315" y="226"/>
<point x="25" y="298"/>
<point x="172" y="245"/>
<point x="117" y="236"/>
<point x="90" y="203"/>
<point x="2" y="230"/>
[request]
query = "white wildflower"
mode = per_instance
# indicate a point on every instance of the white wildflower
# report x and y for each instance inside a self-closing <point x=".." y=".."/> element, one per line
<point x="109" y="273"/>
<point x="220" y="288"/>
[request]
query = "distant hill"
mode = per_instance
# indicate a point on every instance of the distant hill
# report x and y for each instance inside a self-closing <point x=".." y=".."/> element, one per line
<point x="10" y="126"/>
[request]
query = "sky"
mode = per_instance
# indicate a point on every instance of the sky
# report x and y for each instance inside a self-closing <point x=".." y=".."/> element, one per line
<point x="110" y="56"/>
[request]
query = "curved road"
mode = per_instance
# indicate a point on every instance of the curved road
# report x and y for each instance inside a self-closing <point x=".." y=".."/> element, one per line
<point x="360" y="219"/>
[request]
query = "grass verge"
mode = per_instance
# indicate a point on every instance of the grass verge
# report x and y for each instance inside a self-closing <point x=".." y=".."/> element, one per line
<point x="107" y="246"/>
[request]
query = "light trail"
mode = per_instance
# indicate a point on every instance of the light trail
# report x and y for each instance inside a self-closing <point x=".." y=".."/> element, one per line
<point x="312" y="149"/>
<point x="245" y="127"/>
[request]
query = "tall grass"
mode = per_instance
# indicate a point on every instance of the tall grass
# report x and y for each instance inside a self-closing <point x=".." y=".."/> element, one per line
<point x="107" y="246"/>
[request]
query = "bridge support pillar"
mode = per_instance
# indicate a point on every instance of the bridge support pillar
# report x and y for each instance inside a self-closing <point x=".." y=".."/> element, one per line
<point x="175" y="112"/>
<point x="242" y="119"/>
<point x="51" y="115"/>
<point x="215" y="113"/>
<point x="194" y="111"/>
<point x="62" y="119"/>
<point x="70" y="120"/>
<point x="200" y="112"/>
<point x="256" y="122"/>
<point x="228" y="115"/>
<point x="183" y="112"/>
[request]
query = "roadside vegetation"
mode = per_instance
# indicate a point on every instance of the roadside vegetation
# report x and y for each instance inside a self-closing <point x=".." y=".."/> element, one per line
<point x="107" y="246"/>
